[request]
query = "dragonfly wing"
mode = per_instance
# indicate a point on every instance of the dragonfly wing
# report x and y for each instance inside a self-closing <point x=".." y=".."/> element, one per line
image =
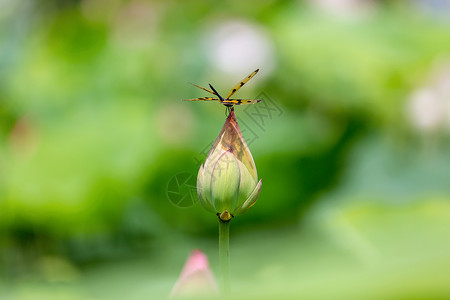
<point x="203" y="99"/>
<point x="209" y="91"/>
<point x="241" y="83"/>
<point x="240" y="101"/>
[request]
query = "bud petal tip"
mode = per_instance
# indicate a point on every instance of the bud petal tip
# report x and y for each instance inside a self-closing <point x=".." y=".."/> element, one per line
<point x="250" y="201"/>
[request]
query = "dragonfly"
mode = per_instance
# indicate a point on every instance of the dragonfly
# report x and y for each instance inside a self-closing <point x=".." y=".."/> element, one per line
<point x="229" y="103"/>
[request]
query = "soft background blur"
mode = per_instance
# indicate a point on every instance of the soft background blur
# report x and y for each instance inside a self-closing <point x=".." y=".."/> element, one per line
<point x="352" y="143"/>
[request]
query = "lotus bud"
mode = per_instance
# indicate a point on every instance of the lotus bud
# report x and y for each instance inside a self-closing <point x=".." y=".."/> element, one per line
<point x="196" y="280"/>
<point x="227" y="183"/>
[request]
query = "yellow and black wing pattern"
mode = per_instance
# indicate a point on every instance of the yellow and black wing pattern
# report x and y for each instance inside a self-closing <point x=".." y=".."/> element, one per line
<point x="209" y="91"/>
<point x="203" y="99"/>
<point x="241" y="83"/>
<point x="239" y="101"/>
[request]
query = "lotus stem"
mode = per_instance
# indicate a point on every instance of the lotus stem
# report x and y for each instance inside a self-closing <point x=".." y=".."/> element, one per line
<point x="224" y="255"/>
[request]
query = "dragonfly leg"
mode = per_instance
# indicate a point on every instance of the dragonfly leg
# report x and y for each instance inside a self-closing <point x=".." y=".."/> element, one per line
<point x="228" y="109"/>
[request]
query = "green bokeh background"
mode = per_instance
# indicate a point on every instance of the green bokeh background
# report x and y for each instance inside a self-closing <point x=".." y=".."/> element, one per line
<point x="355" y="202"/>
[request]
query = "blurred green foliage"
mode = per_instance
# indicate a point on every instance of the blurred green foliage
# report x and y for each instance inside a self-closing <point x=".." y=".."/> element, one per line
<point x="92" y="129"/>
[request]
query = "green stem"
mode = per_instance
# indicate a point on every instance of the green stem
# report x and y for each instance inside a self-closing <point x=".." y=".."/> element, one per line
<point x="224" y="255"/>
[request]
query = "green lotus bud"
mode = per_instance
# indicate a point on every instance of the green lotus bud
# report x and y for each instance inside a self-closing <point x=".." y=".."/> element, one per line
<point x="227" y="184"/>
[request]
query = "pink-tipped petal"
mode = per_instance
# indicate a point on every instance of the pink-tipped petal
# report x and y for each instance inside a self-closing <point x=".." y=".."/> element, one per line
<point x="196" y="278"/>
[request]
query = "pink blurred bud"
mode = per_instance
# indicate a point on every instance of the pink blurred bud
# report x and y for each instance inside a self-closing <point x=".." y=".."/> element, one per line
<point x="196" y="279"/>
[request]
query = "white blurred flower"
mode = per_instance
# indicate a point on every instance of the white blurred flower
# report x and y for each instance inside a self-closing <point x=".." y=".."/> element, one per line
<point x="426" y="110"/>
<point x="443" y="90"/>
<point x="429" y="106"/>
<point x="236" y="47"/>
<point x="346" y="8"/>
